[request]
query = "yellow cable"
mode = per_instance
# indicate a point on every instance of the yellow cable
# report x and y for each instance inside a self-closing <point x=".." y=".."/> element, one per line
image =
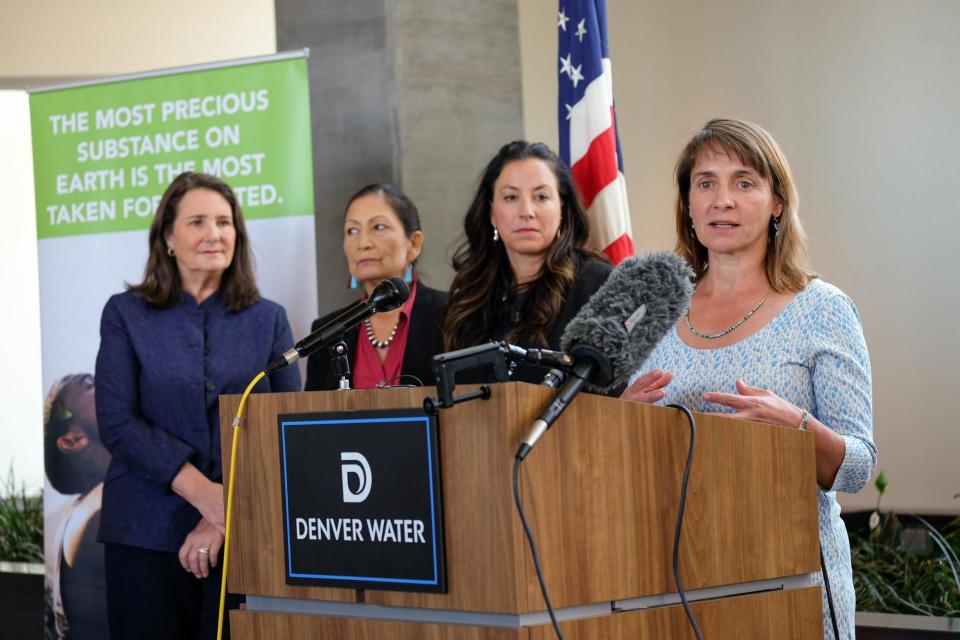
<point x="233" y="473"/>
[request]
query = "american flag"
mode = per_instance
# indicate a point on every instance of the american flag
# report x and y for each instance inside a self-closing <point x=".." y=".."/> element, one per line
<point x="588" y="135"/>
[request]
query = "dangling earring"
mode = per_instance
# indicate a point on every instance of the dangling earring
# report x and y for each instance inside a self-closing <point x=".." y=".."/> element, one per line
<point x="776" y="225"/>
<point x="496" y="235"/>
<point x="353" y="283"/>
<point x="408" y="274"/>
<point x="170" y="251"/>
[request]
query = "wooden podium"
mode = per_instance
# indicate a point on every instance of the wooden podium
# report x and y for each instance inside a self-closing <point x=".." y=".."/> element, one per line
<point x="601" y="491"/>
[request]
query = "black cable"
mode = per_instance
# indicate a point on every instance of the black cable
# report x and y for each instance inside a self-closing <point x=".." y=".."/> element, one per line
<point x="676" y="539"/>
<point x="826" y="586"/>
<point x="683" y="506"/>
<point x="533" y="546"/>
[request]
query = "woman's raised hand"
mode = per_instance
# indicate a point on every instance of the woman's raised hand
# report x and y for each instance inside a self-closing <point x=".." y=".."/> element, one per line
<point x="648" y="388"/>
<point x="758" y="405"/>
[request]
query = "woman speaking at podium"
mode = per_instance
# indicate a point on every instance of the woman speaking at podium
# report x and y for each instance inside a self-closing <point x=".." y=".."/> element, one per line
<point x="523" y="269"/>
<point x="382" y="239"/>
<point x="195" y="328"/>
<point x="764" y="338"/>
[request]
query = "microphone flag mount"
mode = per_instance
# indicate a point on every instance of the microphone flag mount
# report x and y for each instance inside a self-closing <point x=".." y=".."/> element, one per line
<point x="617" y="329"/>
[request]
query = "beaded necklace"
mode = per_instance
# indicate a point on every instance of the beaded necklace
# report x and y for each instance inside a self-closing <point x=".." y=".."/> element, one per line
<point x="379" y="344"/>
<point x="714" y="336"/>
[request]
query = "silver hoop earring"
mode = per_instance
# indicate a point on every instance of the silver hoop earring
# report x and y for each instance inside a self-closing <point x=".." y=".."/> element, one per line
<point x="170" y="251"/>
<point x="496" y="235"/>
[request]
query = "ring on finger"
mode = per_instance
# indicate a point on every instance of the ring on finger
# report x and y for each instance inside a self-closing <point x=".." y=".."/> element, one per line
<point x="203" y="550"/>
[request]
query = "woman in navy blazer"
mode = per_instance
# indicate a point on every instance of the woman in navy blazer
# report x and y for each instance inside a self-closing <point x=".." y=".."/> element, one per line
<point x="382" y="239"/>
<point x="195" y="328"/>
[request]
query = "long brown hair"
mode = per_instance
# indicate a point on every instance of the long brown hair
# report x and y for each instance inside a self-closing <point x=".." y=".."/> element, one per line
<point x="786" y="263"/>
<point x="161" y="285"/>
<point x="483" y="272"/>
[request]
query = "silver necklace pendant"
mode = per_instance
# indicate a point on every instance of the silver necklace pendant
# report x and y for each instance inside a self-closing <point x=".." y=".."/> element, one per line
<point x="379" y="344"/>
<point x="714" y="336"/>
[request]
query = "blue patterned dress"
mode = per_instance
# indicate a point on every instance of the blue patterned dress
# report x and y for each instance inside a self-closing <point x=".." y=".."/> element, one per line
<point x="814" y="355"/>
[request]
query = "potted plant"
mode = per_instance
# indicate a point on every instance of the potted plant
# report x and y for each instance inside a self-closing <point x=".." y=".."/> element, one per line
<point x="21" y="560"/>
<point x="905" y="566"/>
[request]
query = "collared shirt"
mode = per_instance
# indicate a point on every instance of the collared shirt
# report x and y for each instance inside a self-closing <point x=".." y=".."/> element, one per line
<point x="368" y="371"/>
<point x="159" y="376"/>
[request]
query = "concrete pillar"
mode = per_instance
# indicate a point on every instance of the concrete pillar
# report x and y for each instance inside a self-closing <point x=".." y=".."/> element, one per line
<point x="417" y="92"/>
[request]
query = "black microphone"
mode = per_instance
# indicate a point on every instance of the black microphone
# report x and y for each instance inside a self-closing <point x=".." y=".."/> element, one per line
<point x="387" y="296"/>
<point x="541" y="357"/>
<point x="613" y="334"/>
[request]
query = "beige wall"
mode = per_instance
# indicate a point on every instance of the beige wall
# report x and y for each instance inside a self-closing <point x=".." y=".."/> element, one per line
<point x="863" y="96"/>
<point x="56" y="39"/>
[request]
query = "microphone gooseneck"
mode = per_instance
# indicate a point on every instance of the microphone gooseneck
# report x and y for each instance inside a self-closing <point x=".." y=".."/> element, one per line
<point x="387" y="296"/>
<point x="578" y="378"/>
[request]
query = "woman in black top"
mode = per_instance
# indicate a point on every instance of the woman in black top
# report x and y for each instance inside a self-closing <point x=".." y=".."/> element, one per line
<point x="523" y="269"/>
<point x="383" y="239"/>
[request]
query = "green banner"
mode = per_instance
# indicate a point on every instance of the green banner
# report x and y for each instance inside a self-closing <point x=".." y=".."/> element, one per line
<point x="104" y="153"/>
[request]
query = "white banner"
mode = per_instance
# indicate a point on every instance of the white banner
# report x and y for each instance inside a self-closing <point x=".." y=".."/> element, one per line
<point x="103" y="153"/>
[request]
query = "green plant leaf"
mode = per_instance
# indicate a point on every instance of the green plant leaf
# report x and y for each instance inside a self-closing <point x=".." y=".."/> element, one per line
<point x="21" y="523"/>
<point x="881" y="483"/>
<point x="889" y="578"/>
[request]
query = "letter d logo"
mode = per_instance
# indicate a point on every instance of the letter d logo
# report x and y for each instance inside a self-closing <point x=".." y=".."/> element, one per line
<point x="361" y="471"/>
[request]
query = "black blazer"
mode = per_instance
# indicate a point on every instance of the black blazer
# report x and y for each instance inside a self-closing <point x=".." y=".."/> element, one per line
<point x="424" y="341"/>
<point x="590" y="275"/>
<point x="588" y="279"/>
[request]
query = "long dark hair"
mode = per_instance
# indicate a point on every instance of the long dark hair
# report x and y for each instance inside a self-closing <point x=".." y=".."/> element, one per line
<point x="483" y="272"/>
<point x="161" y="277"/>
<point x="401" y="204"/>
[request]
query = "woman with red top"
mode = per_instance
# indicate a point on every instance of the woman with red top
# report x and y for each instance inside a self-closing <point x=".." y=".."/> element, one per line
<point x="382" y="239"/>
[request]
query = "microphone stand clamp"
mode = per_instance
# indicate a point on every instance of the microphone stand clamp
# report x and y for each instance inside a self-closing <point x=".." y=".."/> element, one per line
<point x="341" y="363"/>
